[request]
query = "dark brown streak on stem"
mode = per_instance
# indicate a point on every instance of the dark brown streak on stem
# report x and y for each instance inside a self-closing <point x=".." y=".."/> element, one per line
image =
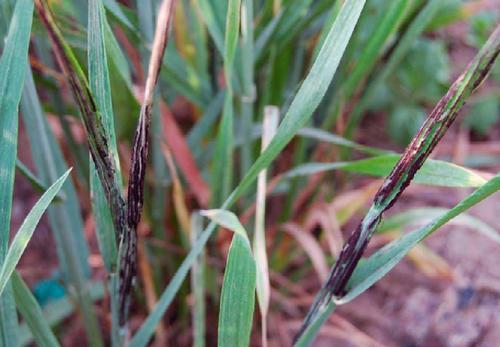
<point x="96" y="133"/>
<point x="135" y="198"/>
<point x="431" y="132"/>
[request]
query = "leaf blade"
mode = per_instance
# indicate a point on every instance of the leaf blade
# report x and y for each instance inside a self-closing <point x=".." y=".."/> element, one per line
<point x="27" y="229"/>
<point x="32" y="313"/>
<point x="13" y="64"/>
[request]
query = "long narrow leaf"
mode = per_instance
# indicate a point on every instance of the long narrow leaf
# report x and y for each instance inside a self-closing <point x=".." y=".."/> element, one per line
<point x="13" y="64"/>
<point x="269" y="125"/>
<point x="99" y="84"/>
<point x="100" y="88"/>
<point x="238" y="289"/>
<point x="198" y="286"/>
<point x="98" y="138"/>
<point x="26" y="230"/>
<point x="32" y="313"/>
<point x="433" y="172"/>
<point x="223" y="168"/>
<point x="380" y="263"/>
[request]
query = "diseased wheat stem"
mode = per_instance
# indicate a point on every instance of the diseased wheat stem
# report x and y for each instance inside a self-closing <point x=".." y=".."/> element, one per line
<point x="431" y="132"/>
<point x="125" y="217"/>
<point x="135" y="198"/>
<point x="96" y="133"/>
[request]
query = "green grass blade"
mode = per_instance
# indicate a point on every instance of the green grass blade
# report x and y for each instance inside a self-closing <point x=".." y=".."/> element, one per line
<point x="26" y="230"/>
<point x="100" y="88"/>
<point x="380" y="263"/>
<point x="263" y="286"/>
<point x="305" y="102"/>
<point x="206" y="122"/>
<point x="238" y="295"/>
<point x="13" y="64"/>
<point x="325" y="136"/>
<point x="248" y="93"/>
<point x="97" y="136"/>
<point x="223" y="157"/>
<point x="223" y="168"/>
<point x="238" y="289"/>
<point x="215" y="30"/>
<point x="307" y="338"/>
<point x="99" y="34"/>
<point x="231" y="36"/>
<point x="433" y="172"/>
<point x="116" y="10"/>
<point x="198" y="286"/>
<point x="422" y="215"/>
<point x="32" y="313"/>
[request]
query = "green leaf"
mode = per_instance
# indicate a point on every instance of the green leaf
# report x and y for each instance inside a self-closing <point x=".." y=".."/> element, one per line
<point x="303" y="105"/>
<point x="380" y="263"/>
<point x="231" y="37"/>
<point x="226" y="219"/>
<point x="100" y="88"/>
<point x="198" y="286"/>
<point x="205" y="123"/>
<point x="13" y="64"/>
<point x="307" y="337"/>
<point x="325" y="136"/>
<point x="310" y="92"/>
<point x="426" y="214"/>
<point x="238" y="289"/>
<point x="238" y="295"/>
<point x="26" y="230"/>
<point x="99" y="34"/>
<point x="433" y="172"/>
<point x="222" y="174"/>
<point x="32" y="313"/>
<point x="208" y="12"/>
<point x="263" y="286"/>
<point x="116" y="10"/>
